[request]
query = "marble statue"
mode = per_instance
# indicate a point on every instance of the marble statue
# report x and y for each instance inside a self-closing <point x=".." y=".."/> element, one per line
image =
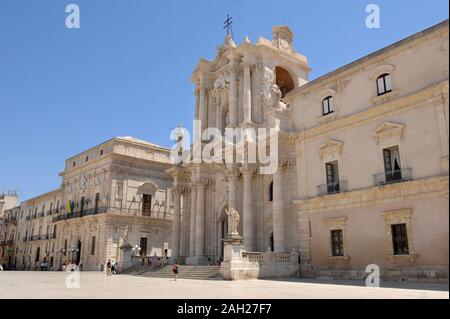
<point x="233" y="221"/>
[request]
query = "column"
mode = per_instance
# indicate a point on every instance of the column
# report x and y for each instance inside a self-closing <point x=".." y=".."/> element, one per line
<point x="176" y="223"/>
<point x="192" y="221"/>
<point x="200" y="221"/>
<point x="278" y="212"/>
<point x="232" y="99"/>
<point x="247" y="93"/>
<point x="232" y="188"/>
<point x="248" y="214"/>
<point x="202" y="108"/>
<point x="184" y="225"/>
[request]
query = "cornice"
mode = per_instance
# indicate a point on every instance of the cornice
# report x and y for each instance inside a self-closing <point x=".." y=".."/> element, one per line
<point x="423" y="188"/>
<point x="393" y="107"/>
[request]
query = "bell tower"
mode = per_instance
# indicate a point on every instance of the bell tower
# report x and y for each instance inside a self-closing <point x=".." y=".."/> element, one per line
<point x="282" y="38"/>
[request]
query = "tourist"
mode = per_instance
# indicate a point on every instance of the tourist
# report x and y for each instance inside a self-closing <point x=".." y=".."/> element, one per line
<point x="108" y="268"/>
<point x="1" y="268"/>
<point x="114" y="268"/>
<point x="149" y="263"/>
<point x="176" y="269"/>
<point x="64" y="266"/>
<point x="209" y="262"/>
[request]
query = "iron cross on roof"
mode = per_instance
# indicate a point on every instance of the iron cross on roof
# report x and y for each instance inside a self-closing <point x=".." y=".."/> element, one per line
<point x="228" y="24"/>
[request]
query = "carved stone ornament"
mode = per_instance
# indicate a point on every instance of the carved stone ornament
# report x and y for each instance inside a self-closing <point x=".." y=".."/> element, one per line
<point x="233" y="221"/>
<point x="271" y="93"/>
<point x="222" y="82"/>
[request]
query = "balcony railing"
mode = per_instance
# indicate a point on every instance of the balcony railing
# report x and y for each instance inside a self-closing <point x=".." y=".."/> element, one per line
<point x="390" y="177"/>
<point x="331" y="188"/>
<point x="112" y="210"/>
<point x="38" y="237"/>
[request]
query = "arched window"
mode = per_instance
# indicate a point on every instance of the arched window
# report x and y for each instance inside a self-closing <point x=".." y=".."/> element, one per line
<point x="284" y="81"/>
<point x="384" y="84"/>
<point x="271" y="192"/>
<point x="328" y="105"/>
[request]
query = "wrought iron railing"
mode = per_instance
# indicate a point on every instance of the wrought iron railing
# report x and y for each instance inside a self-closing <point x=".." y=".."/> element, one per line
<point x="390" y="177"/>
<point x="112" y="210"/>
<point x="332" y="188"/>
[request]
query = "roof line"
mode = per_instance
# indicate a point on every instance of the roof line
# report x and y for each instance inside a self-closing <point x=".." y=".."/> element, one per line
<point x="370" y="56"/>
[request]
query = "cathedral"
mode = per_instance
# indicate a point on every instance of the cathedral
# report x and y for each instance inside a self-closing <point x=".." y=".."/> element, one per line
<point x="359" y="158"/>
<point x="362" y="159"/>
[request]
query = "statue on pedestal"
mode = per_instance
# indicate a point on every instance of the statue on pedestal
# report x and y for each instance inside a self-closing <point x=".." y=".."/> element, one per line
<point x="233" y="221"/>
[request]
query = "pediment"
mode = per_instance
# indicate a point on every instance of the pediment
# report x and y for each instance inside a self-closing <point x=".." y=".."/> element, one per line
<point x="389" y="129"/>
<point x="331" y="147"/>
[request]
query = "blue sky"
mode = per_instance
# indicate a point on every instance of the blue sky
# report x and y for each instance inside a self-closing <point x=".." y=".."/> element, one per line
<point x="127" y="70"/>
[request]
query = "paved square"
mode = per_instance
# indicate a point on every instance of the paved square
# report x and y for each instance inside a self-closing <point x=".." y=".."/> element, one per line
<point x="97" y="285"/>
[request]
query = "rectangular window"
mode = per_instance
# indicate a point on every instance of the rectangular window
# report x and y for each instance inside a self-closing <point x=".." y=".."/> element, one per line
<point x="143" y="246"/>
<point x="146" y="204"/>
<point x="96" y="201"/>
<point x="93" y="246"/>
<point x="332" y="177"/>
<point x="82" y="205"/>
<point x="337" y="243"/>
<point x="400" y="239"/>
<point x="392" y="168"/>
<point x="65" y="247"/>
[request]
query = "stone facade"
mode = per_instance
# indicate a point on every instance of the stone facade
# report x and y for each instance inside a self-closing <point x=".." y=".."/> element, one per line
<point x="113" y="194"/>
<point x="363" y="158"/>
<point x="362" y="172"/>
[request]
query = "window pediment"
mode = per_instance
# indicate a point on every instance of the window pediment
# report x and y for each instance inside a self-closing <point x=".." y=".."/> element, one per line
<point x="331" y="147"/>
<point x="388" y="130"/>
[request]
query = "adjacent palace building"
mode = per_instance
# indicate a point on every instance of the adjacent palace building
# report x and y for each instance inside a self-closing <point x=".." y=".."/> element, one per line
<point x="363" y="170"/>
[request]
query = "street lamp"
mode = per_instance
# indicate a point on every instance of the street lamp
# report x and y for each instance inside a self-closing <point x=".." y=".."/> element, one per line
<point x="61" y="252"/>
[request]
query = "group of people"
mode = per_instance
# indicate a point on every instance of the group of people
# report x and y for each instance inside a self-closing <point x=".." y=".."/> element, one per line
<point x="111" y="268"/>
<point x="72" y="266"/>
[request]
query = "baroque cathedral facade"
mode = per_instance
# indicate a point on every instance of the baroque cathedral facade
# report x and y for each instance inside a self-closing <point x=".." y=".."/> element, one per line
<point x="361" y="177"/>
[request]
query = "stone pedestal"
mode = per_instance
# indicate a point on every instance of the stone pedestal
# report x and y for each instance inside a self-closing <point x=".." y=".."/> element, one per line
<point x="126" y="261"/>
<point x="234" y="267"/>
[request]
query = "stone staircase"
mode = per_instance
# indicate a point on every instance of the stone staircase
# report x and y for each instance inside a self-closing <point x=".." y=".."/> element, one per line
<point x="186" y="272"/>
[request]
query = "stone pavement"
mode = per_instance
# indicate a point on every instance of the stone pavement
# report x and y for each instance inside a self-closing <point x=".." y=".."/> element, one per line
<point x="97" y="285"/>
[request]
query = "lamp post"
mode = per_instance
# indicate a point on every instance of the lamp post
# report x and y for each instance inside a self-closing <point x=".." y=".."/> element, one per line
<point x="61" y="252"/>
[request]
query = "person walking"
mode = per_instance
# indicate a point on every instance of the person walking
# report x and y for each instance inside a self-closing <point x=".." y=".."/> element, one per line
<point x="176" y="270"/>
<point x="109" y="268"/>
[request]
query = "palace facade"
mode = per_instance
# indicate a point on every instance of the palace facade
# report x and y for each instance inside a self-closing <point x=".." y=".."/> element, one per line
<point x="362" y="175"/>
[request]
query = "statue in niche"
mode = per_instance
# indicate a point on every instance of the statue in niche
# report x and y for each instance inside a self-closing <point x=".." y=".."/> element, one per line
<point x="271" y="93"/>
<point x="233" y="221"/>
